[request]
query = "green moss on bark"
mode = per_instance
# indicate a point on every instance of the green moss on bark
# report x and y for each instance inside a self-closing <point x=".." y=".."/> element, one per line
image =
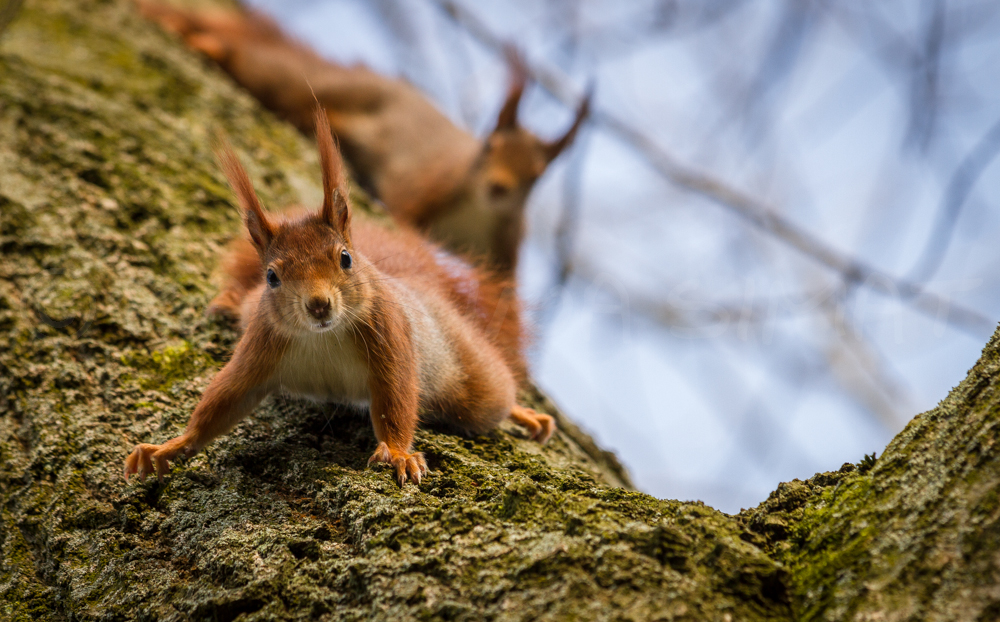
<point x="914" y="535"/>
<point x="112" y="213"/>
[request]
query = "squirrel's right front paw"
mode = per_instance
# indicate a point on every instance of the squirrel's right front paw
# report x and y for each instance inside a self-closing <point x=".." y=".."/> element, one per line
<point x="146" y="458"/>
<point x="408" y="466"/>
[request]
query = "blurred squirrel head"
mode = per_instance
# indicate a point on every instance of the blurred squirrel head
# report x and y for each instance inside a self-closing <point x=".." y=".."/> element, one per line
<point x="513" y="158"/>
<point x="311" y="274"/>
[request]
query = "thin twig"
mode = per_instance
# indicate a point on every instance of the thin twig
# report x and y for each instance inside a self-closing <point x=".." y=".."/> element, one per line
<point x="955" y="195"/>
<point x="565" y="234"/>
<point x="864" y="372"/>
<point x="567" y="228"/>
<point x="925" y="78"/>
<point x="794" y="33"/>
<point x="569" y="219"/>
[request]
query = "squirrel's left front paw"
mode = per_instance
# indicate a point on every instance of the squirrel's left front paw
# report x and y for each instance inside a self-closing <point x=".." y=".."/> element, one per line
<point x="408" y="466"/>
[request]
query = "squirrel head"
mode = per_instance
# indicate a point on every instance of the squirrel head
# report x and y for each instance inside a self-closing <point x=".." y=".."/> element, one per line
<point x="513" y="158"/>
<point x="311" y="273"/>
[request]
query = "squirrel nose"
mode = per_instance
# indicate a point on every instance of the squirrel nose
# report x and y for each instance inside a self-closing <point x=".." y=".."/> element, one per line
<point x="318" y="307"/>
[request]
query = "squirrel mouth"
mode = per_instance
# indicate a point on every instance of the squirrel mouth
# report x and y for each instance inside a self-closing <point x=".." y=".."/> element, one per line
<point x="323" y="326"/>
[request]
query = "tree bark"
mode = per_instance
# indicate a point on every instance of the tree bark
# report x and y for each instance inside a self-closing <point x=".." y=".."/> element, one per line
<point x="914" y="535"/>
<point x="112" y="213"/>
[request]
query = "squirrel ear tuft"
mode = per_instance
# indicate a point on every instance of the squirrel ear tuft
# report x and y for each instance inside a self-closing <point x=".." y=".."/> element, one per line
<point x="336" y="209"/>
<point x="507" y="119"/>
<point x="557" y="146"/>
<point x="258" y="224"/>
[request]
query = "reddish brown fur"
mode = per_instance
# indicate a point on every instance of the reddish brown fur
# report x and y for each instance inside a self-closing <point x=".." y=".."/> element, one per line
<point x="241" y="267"/>
<point x="405" y="327"/>
<point x="469" y="195"/>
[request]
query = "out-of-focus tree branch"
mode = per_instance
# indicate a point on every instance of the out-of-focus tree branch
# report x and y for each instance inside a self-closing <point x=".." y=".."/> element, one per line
<point x="853" y="271"/>
<point x="955" y="195"/>
<point x="864" y="373"/>
<point x="925" y="77"/>
<point x="854" y="362"/>
<point x="793" y="31"/>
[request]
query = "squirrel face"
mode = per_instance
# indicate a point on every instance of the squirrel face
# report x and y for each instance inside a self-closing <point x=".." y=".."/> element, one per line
<point x="312" y="283"/>
<point x="510" y="163"/>
<point x="513" y="158"/>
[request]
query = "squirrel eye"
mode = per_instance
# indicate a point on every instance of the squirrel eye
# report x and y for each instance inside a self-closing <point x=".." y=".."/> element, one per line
<point x="498" y="190"/>
<point x="272" y="279"/>
<point x="345" y="260"/>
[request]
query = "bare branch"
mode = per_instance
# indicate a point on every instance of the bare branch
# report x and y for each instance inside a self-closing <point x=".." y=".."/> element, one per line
<point x="565" y="236"/>
<point x="864" y="373"/>
<point x="925" y="78"/>
<point x="955" y="195"/>
<point x="794" y="31"/>
<point x="569" y="219"/>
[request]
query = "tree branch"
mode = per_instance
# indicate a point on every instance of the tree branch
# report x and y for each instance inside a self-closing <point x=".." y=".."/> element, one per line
<point x="959" y="187"/>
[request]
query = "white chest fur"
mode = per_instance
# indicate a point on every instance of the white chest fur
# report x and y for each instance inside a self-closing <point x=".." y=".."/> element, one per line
<point x="437" y="365"/>
<point x="325" y="367"/>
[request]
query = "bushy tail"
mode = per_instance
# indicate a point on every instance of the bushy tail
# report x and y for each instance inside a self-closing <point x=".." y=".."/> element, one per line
<point x="213" y="32"/>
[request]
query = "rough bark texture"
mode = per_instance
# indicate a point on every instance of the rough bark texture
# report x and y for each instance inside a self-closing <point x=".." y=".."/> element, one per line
<point x="914" y="535"/>
<point x="112" y="212"/>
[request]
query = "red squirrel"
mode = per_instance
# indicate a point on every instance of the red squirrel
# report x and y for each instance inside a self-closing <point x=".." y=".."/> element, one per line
<point x="467" y="194"/>
<point x="355" y="312"/>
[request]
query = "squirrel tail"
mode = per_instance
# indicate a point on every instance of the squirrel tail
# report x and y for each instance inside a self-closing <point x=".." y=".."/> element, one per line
<point x="212" y="32"/>
<point x="171" y="18"/>
<point x="242" y="269"/>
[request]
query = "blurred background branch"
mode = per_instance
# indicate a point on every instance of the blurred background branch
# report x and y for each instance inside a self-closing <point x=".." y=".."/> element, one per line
<point x="959" y="187"/>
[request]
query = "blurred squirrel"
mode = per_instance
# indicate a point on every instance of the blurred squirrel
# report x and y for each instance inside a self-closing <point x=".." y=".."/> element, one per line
<point x="357" y="313"/>
<point x="467" y="194"/>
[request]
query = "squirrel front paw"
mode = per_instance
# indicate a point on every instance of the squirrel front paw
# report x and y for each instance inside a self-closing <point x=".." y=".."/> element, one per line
<point x="408" y="466"/>
<point x="145" y="458"/>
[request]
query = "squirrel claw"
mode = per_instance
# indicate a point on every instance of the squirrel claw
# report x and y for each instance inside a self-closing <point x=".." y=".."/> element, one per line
<point x="140" y="462"/>
<point x="408" y="466"/>
<point x="146" y="459"/>
<point x="540" y="426"/>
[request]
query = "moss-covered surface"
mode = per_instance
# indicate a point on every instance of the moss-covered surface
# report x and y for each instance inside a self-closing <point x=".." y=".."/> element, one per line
<point x="914" y="536"/>
<point x="112" y="212"/>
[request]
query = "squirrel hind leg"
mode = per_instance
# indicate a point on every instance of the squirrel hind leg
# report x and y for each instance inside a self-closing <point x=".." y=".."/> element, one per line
<point x="227" y="304"/>
<point x="243" y="276"/>
<point x="540" y="426"/>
